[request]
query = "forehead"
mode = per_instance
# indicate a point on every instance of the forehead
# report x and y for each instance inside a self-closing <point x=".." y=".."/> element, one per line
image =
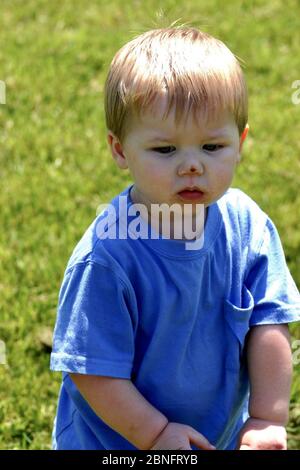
<point x="158" y="120"/>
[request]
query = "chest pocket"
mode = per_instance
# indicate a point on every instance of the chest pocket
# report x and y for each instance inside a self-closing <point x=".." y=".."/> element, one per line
<point x="237" y="320"/>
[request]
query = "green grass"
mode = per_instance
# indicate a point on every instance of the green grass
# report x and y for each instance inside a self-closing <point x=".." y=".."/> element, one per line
<point x="55" y="167"/>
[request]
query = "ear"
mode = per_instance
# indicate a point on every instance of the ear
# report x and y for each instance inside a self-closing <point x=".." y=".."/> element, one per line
<point x="117" y="150"/>
<point x="243" y="136"/>
<point x="242" y="139"/>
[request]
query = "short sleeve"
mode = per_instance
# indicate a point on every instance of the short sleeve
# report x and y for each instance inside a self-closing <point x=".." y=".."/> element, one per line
<point x="276" y="297"/>
<point x="94" y="331"/>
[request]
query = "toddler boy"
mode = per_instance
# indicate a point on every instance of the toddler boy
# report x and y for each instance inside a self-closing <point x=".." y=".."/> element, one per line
<point x="167" y="341"/>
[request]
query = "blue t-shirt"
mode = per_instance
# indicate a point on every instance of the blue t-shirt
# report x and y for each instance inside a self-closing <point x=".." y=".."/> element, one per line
<point x="170" y="319"/>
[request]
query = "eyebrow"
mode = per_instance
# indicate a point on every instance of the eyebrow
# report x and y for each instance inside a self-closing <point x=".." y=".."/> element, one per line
<point x="218" y="134"/>
<point x="213" y="135"/>
<point x="160" y="138"/>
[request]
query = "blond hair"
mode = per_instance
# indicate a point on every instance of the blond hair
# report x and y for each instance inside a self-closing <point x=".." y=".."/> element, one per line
<point x="196" y="71"/>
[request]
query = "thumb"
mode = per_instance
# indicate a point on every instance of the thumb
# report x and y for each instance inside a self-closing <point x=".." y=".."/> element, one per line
<point x="200" y="441"/>
<point x="245" y="447"/>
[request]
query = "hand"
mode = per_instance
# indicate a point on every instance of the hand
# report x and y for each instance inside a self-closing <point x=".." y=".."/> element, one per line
<point x="258" y="434"/>
<point x="178" y="436"/>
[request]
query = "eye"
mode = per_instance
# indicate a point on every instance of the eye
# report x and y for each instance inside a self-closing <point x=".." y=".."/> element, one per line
<point x="164" y="150"/>
<point x="212" y="147"/>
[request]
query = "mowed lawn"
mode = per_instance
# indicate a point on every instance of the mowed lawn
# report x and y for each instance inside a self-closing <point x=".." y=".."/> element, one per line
<point x="55" y="168"/>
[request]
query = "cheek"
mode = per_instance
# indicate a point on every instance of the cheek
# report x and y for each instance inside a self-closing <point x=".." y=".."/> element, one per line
<point x="154" y="170"/>
<point x="224" y="171"/>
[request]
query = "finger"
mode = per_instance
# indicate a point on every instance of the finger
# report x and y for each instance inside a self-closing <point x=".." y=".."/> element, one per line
<point x="280" y="446"/>
<point x="200" y="441"/>
<point x="244" y="447"/>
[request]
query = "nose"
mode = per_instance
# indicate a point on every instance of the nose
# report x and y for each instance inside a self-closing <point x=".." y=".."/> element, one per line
<point x="191" y="165"/>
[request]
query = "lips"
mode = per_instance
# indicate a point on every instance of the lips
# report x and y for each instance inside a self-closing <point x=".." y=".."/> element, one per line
<point x="191" y="194"/>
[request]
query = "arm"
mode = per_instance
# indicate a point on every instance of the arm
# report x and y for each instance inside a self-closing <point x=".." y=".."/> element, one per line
<point x="270" y="371"/>
<point x="122" y="407"/>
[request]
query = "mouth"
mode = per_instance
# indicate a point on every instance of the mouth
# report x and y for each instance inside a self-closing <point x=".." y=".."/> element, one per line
<point x="191" y="194"/>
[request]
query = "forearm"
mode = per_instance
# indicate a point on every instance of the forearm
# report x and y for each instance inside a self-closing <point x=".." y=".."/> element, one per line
<point x="122" y="407"/>
<point x="270" y="371"/>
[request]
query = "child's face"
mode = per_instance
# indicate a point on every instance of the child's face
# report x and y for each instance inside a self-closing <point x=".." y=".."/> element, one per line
<point x="164" y="158"/>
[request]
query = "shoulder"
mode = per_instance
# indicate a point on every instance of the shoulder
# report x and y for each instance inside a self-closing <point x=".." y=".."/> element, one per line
<point x="238" y="203"/>
<point x="92" y="269"/>
<point x="243" y="218"/>
<point x="100" y="244"/>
